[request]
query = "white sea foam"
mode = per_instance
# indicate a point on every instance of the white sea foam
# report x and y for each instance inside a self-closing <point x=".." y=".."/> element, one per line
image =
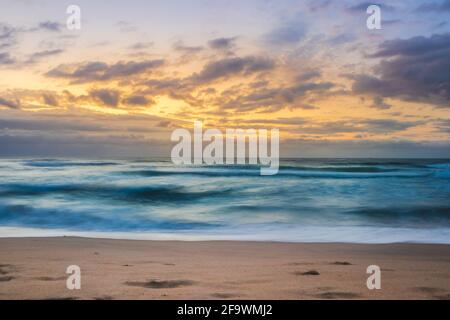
<point x="369" y="235"/>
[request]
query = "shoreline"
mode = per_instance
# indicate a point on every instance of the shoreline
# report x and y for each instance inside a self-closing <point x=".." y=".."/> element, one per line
<point x="34" y="268"/>
<point x="307" y="234"/>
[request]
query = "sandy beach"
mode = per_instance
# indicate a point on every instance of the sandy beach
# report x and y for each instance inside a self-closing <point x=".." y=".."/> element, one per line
<point x="34" y="268"/>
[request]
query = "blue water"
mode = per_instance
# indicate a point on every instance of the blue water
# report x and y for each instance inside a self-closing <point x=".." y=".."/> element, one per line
<point x="309" y="200"/>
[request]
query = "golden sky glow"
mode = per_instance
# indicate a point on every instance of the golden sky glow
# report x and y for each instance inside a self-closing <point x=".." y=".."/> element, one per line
<point x="311" y="69"/>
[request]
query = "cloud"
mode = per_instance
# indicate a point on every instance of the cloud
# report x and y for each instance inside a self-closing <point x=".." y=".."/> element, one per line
<point x="342" y="39"/>
<point x="415" y="69"/>
<point x="309" y="75"/>
<point x="9" y="104"/>
<point x="141" y="45"/>
<point x="158" y="86"/>
<point x="108" y="97"/>
<point x="222" y="43"/>
<point x="181" y="47"/>
<point x="50" y="99"/>
<point x="125" y="26"/>
<point x="101" y="71"/>
<point x="437" y="6"/>
<point x="372" y="126"/>
<point x="289" y="33"/>
<point x="379" y="103"/>
<point x="46" y="125"/>
<point x="444" y="125"/>
<point x="362" y="7"/>
<point x="388" y="125"/>
<point x="50" y="26"/>
<point x="35" y="57"/>
<point x="232" y="66"/>
<point x="416" y="46"/>
<point x="5" y="59"/>
<point x="7" y="35"/>
<point x="6" y="31"/>
<point x="137" y="100"/>
<point x="273" y="98"/>
<point x="364" y="149"/>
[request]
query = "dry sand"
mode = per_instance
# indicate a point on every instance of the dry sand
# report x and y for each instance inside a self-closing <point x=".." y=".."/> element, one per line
<point x="123" y="269"/>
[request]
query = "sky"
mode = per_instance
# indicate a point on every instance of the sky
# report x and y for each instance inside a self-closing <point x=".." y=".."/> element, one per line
<point x="137" y="70"/>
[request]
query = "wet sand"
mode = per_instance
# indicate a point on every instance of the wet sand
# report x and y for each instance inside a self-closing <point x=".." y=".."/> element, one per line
<point x="34" y="268"/>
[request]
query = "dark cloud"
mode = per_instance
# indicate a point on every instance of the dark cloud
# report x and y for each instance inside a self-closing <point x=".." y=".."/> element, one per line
<point x="164" y="124"/>
<point x="125" y="146"/>
<point x="437" y="6"/>
<point x="222" y="43"/>
<point x="46" y="125"/>
<point x="275" y="121"/>
<point x="111" y="146"/>
<point x="364" y="149"/>
<point x="291" y="93"/>
<point x="388" y="125"/>
<point x="231" y="67"/>
<point x="50" y="26"/>
<point x="415" y="69"/>
<point x="141" y="45"/>
<point x="6" y="31"/>
<point x="290" y="33"/>
<point x="108" y="97"/>
<point x="379" y="103"/>
<point x="50" y="99"/>
<point x="416" y="46"/>
<point x="179" y="46"/>
<point x="342" y="39"/>
<point x="444" y="125"/>
<point x="9" y="103"/>
<point x="372" y="126"/>
<point x="158" y="85"/>
<point x="362" y="7"/>
<point x="6" y="59"/>
<point x="137" y="100"/>
<point x="273" y="98"/>
<point x="101" y="71"/>
<point x="7" y="35"/>
<point x="309" y="75"/>
<point x="35" y="57"/>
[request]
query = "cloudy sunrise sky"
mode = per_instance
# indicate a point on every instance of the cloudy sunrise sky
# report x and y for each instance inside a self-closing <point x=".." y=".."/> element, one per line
<point x="136" y="70"/>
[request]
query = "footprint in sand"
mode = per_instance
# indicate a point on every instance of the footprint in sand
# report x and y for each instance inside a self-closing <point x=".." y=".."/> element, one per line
<point x="436" y="293"/>
<point x="307" y="273"/>
<point x="223" y="295"/>
<point x="337" y="295"/>
<point x="50" y="278"/>
<point x="341" y="263"/>
<point x="6" y="269"/>
<point x="442" y="296"/>
<point x="6" y="278"/>
<point x="160" y="284"/>
<point x="104" y="298"/>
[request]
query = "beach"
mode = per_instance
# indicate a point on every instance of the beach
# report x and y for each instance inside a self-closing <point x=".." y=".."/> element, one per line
<point x="34" y="268"/>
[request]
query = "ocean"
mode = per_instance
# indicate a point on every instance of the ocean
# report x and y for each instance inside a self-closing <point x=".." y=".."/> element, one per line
<point x="310" y="200"/>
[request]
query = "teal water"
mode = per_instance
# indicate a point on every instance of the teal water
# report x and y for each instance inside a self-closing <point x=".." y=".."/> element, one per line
<point x="309" y="200"/>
